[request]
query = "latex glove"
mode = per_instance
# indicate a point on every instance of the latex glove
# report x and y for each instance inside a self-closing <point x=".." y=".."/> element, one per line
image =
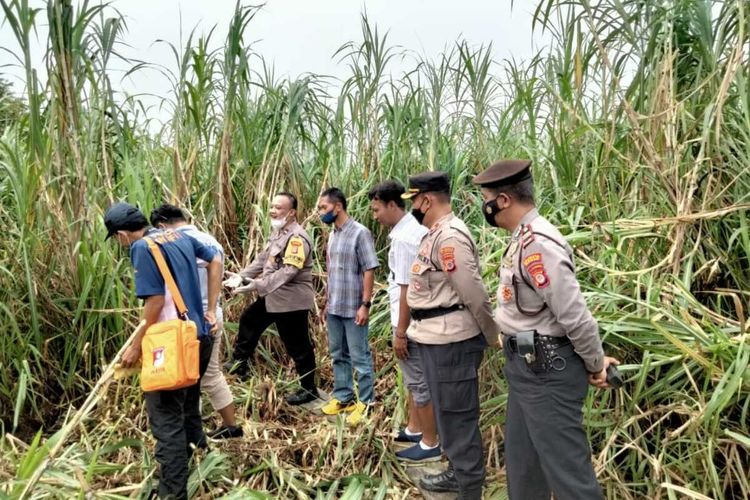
<point x="233" y="281"/>
<point x="250" y="287"/>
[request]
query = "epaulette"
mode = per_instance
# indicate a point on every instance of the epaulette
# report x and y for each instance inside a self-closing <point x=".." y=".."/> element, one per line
<point x="527" y="236"/>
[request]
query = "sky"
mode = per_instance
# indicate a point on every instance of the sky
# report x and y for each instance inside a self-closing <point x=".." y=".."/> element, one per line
<point x="301" y="36"/>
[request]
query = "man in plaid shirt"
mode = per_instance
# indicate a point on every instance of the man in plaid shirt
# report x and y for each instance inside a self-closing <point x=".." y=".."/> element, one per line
<point x="351" y="263"/>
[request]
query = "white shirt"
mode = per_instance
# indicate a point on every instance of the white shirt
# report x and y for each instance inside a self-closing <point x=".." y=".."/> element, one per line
<point x="405" y="238"/>
<point x="169" y="311"/>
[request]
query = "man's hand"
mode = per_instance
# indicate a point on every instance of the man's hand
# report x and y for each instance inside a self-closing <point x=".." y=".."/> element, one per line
<point x="211" y="320"/>
<point x="599" y="380"/>
<point x="233" y="281"/>
<point x="250" y="287"/>
<point x="363" y="316"/>
<point x="400" y="346"/>
<point x="131" y="356"/>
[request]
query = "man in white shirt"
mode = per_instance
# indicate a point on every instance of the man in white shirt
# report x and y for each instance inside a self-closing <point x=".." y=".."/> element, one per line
<point x="406" y="234"/>
<point x="213" y="382"/>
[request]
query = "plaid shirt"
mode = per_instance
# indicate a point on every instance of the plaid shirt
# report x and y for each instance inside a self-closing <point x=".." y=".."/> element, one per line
<point x="351" y="252"/>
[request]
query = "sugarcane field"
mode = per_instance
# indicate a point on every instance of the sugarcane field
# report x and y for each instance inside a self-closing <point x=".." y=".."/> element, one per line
<point x="323" y="249"/>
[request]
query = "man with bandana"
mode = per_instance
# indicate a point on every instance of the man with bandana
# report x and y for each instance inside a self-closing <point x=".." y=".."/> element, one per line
<point x="451" y="326"/>
<point x="552" y="345"/>
<point x="282" y="277"/>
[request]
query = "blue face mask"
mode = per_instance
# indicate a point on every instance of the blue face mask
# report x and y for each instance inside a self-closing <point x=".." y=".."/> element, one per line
<point x="328" y="217"/>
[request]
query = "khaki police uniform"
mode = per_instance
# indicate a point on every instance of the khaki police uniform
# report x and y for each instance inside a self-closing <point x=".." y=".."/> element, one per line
<point x="452" y="324"/>
<point x="546" y="448"/>
<point x="283" y="277"/>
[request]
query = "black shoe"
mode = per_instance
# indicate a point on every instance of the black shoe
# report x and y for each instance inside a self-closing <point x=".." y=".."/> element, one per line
<point x="239" y="368"/>
<point x="301" y="397"/>
<point x="226" y="432"/>
<point x="443" y="482"/>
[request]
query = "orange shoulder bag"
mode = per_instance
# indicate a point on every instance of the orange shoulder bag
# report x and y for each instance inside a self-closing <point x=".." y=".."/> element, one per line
<point x="170" y="349"/>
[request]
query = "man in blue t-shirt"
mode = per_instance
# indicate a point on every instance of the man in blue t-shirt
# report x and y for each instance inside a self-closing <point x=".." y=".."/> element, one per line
<point x="174" y="415"/>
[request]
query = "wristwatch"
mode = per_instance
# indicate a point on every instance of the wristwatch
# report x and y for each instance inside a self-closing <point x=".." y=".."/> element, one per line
<point x="366" y="303"/>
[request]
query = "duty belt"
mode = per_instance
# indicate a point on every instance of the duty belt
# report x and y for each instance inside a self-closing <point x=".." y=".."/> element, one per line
<point x="552" y="342"/>
<point x="547" y="350"/>
<point x="420" y="314"/>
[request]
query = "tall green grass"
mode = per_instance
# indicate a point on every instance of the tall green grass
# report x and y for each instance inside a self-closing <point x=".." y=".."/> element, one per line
<point x="637" y="117"/>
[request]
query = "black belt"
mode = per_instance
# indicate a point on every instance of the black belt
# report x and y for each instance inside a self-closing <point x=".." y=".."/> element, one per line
<point x="553" y="342"/>
<point x="420" y="314"/>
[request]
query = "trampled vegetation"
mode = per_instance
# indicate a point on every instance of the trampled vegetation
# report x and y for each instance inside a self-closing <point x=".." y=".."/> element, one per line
<point x="637" y="117"/>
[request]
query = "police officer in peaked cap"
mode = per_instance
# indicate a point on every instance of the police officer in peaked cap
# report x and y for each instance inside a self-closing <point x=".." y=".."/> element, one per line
<point x="552" y="346"/>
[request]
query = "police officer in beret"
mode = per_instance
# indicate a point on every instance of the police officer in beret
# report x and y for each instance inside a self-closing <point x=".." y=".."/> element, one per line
<point x="552" y="345"/>
<point x="452" y="324"/>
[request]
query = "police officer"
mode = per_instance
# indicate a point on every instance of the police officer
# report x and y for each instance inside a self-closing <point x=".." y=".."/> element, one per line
<point x="452" y="325"/>
<point x="282" y="276"/>
<point x="552" y="345"/>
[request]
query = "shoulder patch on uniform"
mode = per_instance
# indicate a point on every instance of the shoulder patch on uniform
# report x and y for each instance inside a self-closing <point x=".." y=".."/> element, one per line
<point x="448" y="259"/>
<point x="415" y="268"/>
<point x="534" y="257"/>
<point x="295" y="252"/>
<point x="538" y="274"/>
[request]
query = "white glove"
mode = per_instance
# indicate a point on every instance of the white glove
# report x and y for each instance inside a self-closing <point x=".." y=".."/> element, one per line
<point x="233" y="281"/>
<point x="245" y="289"/>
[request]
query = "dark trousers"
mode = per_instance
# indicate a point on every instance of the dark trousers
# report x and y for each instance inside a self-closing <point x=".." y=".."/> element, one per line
<point x="546" y="449"/>
<point x="293" y="330"/>
<point x="175" y="420"/>
<point x="451" y="374"/>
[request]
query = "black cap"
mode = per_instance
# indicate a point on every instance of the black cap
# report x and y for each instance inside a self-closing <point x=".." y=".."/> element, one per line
<point x="504" y="173"/>
<point x="123" y="217"/>
<point x="427" y="182"/>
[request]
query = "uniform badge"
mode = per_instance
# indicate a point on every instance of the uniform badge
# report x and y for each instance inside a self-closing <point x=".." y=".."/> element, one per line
<point x="506" y="293"/>
<point x="415" y="268"/>
<point x="510" y="253"/>
<point x="448" y="259"/>
<point x="295" y="253"/>
<point x="537" y="272"/>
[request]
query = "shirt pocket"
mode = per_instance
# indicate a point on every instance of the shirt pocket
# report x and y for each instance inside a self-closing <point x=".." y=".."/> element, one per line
<point x="420" y="277"/>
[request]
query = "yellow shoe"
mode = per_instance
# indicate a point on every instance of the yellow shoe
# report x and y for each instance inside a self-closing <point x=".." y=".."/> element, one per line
<point x="357" y="414"/>
<point x="334" y="407"/>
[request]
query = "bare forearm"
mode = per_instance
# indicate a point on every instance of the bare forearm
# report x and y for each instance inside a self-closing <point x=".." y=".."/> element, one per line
<point x="214" y="282"/>
<point x="369" y="283"/>
<point x="403" y="312"/>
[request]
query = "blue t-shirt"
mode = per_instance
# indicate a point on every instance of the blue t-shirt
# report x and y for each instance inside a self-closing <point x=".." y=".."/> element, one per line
<point x="180" y="251"/>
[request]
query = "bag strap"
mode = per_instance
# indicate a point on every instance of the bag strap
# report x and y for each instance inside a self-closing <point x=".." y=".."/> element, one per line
<point x="168" y="279"/>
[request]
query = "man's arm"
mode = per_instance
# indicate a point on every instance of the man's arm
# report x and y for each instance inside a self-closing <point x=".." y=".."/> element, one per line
<point x="368" y="283"/>
<point x="151" y="310"/>
<point x="400" y="344"/>
<point x="295" y="254"/>
<point x="549" y="269"/>
<point x="256" y="266"/>
<point x="460" y="266"/>
<point x="214" y="271"/>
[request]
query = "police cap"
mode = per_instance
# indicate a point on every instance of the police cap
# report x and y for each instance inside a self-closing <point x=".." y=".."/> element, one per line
<point x="427" y="182"/>
<point x="504" y="173"/>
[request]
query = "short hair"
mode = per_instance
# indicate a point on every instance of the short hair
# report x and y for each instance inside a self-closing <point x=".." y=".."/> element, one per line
<point x="388" y="191"/>
<point x="167" y="214"/>
<point x="335" y="195"/>
<point x="521" y="191"/>
<point x="292" y="198"/>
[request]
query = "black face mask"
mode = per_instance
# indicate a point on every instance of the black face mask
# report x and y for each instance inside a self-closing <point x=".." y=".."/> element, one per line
<point x="418" y="214"/>
<point x="490" y="210"/>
